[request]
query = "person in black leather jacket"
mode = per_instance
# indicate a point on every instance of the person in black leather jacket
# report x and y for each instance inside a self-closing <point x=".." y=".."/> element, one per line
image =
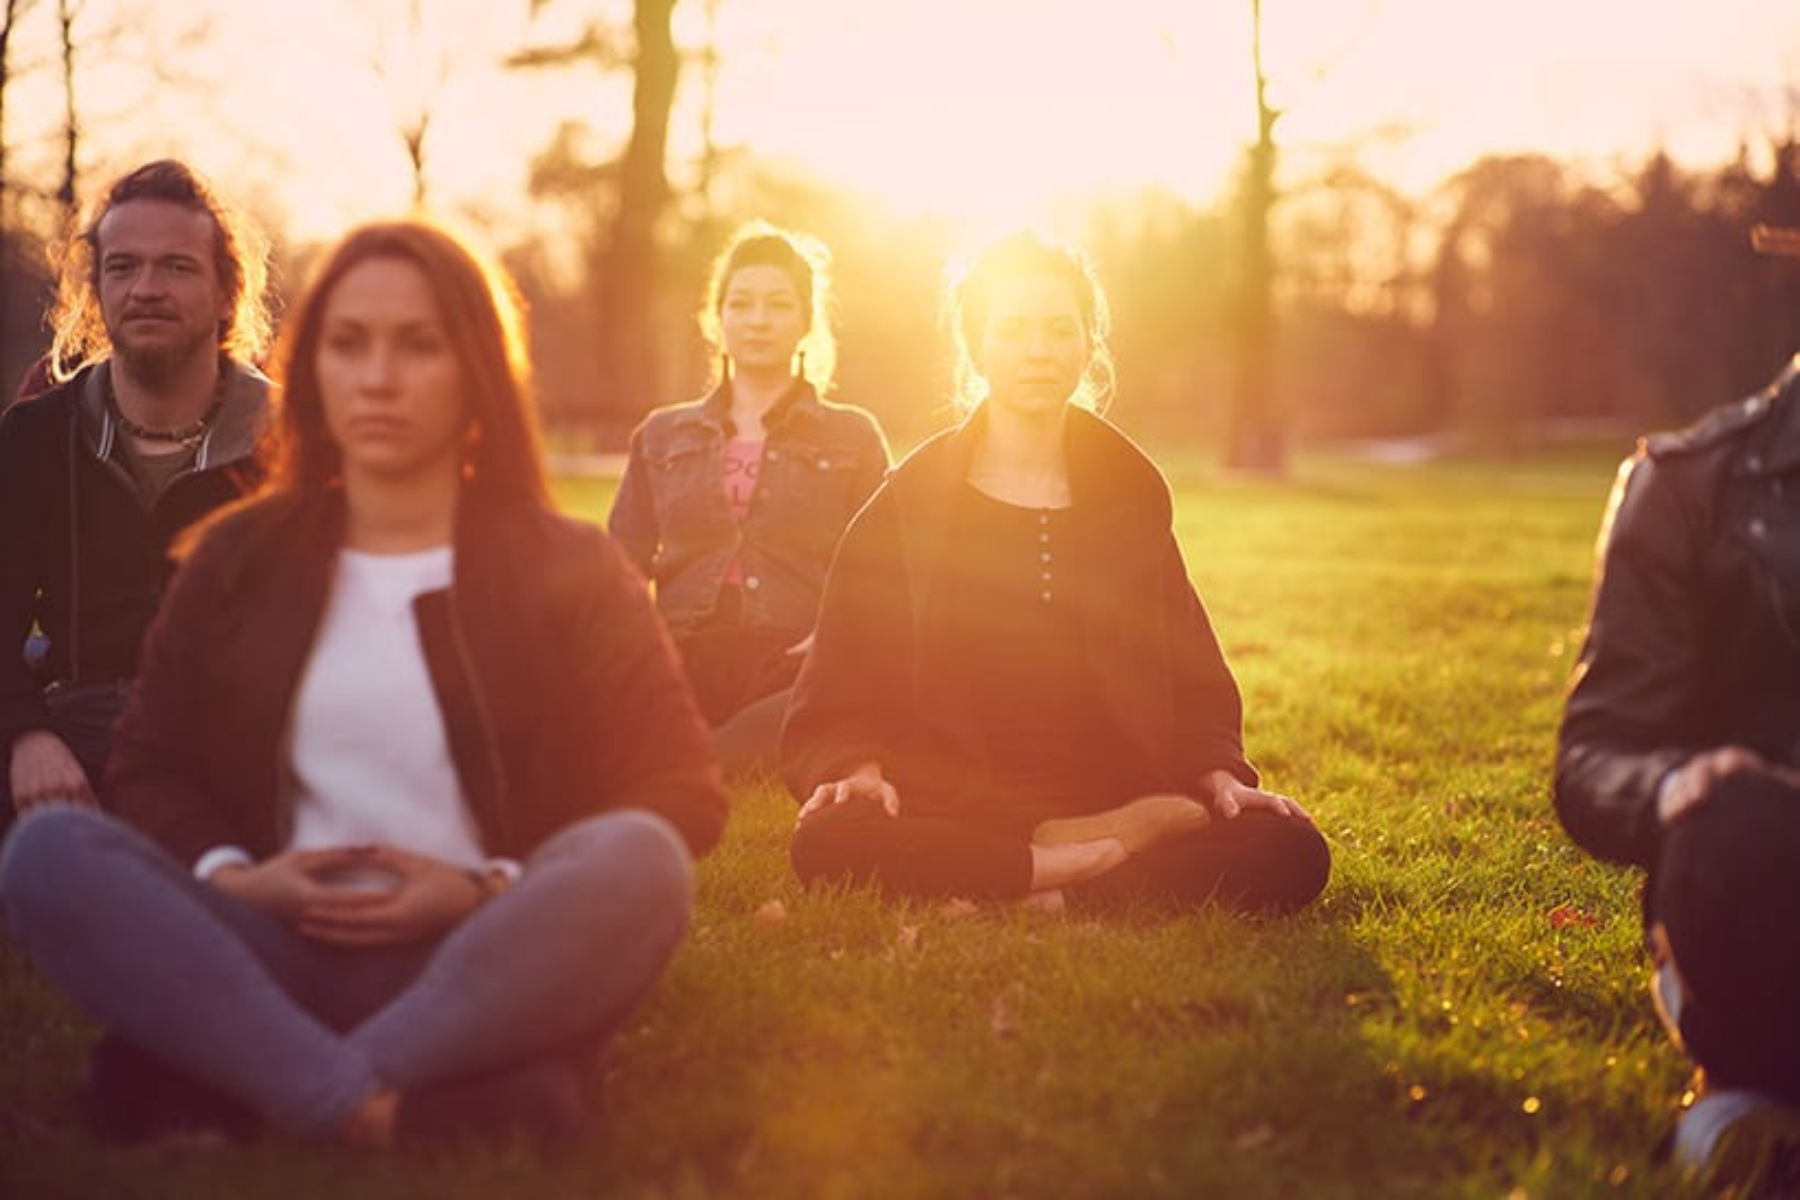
<point x="732" y="504"/>
<point x="1680" y="741"/>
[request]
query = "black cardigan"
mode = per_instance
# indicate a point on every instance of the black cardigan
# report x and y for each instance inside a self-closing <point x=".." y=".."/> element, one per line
<point x="882" y="684"/>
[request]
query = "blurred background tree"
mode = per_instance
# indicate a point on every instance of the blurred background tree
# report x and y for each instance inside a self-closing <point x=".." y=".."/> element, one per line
<point x="1522" y="300"/>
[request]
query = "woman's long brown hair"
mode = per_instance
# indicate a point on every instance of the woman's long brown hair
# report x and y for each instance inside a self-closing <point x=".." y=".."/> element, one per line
<point x="505" y="458"/>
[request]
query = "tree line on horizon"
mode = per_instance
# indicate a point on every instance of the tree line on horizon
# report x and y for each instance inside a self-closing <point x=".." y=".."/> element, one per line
<point x="1522" y="296"/>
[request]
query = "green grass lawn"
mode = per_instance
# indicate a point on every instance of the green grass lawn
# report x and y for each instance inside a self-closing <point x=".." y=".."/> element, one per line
<point x="1462" y="1014"/>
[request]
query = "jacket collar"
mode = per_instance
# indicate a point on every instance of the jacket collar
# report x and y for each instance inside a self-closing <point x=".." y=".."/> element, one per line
<point x="1113" y="481"/>
<point x="243" y="414"/>
<point x="1122" y="502"/>
<point x="313" y="527"/>
<point x="799" y="401"/>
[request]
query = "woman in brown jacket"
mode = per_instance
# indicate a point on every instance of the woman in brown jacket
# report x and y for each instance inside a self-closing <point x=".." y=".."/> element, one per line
<point x="1015" y="689"/>
<point x="408" y="791"/>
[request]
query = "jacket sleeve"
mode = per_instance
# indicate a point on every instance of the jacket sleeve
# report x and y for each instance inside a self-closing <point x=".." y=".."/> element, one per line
<point x="1635" y="690"/>
<point x="851" y="698"/>
<point x="156" y="773"/>
<point x="632" y="522"/>
<point x="872" y="460"/>
<point x="649" y="746"/>
<point x="21" y="568"/>
<point x="1207" y="700"/>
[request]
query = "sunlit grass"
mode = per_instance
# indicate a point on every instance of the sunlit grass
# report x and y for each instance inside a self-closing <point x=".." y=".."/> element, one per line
<point x="1463" y="1013"/>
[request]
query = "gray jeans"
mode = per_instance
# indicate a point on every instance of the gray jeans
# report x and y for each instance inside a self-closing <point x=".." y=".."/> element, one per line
<point x="303" y="1032"/>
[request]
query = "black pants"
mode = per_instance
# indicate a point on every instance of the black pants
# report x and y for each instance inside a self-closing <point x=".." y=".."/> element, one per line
<point x="741" y="679"/>
<point x="82" y="715"/>
<point x="729" y="669"/>
<point x="730" y="665"/>
<point x="1254" y="862"/>
<point x="1727" y="891"/>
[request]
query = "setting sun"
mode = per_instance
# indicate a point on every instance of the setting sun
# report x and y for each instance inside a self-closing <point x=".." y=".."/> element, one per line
<point x="989" y="111"/>
<point x="984" y="111"/>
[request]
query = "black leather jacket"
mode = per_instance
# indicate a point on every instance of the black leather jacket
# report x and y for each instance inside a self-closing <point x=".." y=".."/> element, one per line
<point x="1695" y="638"/>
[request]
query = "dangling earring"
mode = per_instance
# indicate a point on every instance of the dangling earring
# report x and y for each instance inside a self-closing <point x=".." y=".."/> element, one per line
<point x="471" y="440"/>
<point x="724" y="367"/>
<point x="800" y="363"/>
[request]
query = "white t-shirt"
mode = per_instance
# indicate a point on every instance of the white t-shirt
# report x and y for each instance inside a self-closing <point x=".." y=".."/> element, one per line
<point x="369" y="760"/>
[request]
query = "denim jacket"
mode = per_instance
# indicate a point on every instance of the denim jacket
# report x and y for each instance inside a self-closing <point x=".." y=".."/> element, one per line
<point x="820" y="462"/>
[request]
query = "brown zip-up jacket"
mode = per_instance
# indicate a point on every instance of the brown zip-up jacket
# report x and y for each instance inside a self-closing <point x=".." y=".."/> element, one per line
<point x="560" y="692"/>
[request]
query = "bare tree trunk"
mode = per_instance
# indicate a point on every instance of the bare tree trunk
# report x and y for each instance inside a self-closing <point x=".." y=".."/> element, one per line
<point x="1255" y="440"/>
<point x="6" y="28"/>
<point x="414" y="137"/>
<point x="414" y="127"/>
<point x="709" y="147"/>
<point x="9" y="255"/>
<point x="65" y="192"/>
<point x="626" y="341"/>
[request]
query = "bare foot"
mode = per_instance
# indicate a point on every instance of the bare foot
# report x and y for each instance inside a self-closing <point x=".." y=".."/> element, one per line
<point x="1137" y="825"/>
<point x="1055" y="867"/>
<point x="371" y="1126"/>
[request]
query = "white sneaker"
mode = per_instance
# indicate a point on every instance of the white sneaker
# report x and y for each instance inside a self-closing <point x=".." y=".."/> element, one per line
<point x="1739" y="1137"/>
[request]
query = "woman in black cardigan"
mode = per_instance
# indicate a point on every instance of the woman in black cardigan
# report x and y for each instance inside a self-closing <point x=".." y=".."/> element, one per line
<point x="1015" y="689"/>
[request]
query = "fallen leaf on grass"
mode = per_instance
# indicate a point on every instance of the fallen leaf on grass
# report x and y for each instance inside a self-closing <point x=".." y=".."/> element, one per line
<point x="1000" y="1019"/>
<point x="1565" y="915"/>
<point x="770" y="912"/>
<point x="957" y="908"/>
<point x="908" y="937"/>
<point x="1250" y="1139"/>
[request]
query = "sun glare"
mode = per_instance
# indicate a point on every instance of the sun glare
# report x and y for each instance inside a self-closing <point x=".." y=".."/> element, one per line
<point x="988" y="110"/>
<point x="983" y="112"/>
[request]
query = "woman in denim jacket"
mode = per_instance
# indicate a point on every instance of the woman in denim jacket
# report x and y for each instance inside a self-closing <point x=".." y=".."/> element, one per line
<point x="733" y="504"/>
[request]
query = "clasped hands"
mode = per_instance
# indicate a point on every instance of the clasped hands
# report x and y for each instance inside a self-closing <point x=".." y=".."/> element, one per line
<point x="317" y="893"/>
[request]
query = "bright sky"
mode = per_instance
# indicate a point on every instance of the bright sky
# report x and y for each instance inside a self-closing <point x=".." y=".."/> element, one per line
<point x="991" y="110"/>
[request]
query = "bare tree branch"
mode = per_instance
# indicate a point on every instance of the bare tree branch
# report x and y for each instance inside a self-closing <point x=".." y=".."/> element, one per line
<point x="599" y="45"/>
